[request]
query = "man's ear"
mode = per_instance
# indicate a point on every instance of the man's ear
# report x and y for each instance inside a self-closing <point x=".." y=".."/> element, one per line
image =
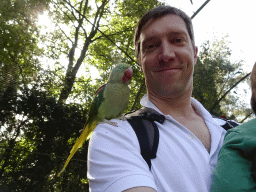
<point x="139" y="62"/>
<point x="195" y="53"/>
<point x="141" y="68"/>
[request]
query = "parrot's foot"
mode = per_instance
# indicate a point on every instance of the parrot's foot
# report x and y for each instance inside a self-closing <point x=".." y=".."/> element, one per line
<point x="109" y="122"/>
<point x="123" y="118"/>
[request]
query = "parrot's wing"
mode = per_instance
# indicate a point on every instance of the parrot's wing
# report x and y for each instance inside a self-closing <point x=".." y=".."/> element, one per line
<point x="97" y="101"/>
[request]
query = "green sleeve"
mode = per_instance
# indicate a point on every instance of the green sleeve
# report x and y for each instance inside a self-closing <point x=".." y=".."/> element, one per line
<point x="232" y="172"/>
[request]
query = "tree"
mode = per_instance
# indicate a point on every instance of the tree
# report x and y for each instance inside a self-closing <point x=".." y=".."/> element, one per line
<point x="77" y="16"/>
<point x="214" y="77"/>
<point x="30" y="162"/>
<point x="18" y="47"/>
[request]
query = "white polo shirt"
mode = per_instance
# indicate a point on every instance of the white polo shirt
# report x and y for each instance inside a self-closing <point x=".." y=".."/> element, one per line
<point x="182" y="164"/>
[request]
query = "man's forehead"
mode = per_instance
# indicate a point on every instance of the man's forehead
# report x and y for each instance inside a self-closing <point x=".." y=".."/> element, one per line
<point x="174" y="24"/>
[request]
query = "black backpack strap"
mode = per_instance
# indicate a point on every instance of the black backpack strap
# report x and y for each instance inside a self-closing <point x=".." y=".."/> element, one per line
<point x="229" y="123"/>
<point x="142" y="122"/>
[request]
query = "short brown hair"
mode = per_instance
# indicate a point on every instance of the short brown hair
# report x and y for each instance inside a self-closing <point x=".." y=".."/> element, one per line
<point x="159" y="12"/>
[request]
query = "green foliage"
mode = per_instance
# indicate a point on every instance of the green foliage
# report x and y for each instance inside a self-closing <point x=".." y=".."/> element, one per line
<point x="31" y="161"/>
<point x="18" y="45"/>
<point x="214" y="75"/>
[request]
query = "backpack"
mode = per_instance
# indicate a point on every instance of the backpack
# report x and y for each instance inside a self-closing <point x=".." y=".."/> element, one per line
<point x="143" y="124"/>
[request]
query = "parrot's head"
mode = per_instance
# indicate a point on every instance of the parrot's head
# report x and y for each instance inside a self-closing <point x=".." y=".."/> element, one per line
<point x="122" y="73"/>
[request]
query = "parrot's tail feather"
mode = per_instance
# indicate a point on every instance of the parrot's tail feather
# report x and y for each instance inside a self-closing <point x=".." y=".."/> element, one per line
<point x="90" y="129"/>
<point x="79" y="143"/>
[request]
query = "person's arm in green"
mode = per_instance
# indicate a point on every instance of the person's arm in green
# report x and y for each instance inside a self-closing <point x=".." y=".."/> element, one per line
<point x="232" y="172"/>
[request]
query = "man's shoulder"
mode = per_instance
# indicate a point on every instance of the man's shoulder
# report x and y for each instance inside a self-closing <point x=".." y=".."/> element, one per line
<point x="145" y="113"/>
<point x="114" y="158"/>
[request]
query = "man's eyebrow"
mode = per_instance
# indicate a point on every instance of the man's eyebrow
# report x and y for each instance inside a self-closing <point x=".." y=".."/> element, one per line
<point x="179" y="32"/>
<point x="172" y="33"/>
<point x="148" y="39"/>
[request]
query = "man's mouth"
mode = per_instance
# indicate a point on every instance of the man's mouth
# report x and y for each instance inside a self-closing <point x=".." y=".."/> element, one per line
<point x="168" y="69"/>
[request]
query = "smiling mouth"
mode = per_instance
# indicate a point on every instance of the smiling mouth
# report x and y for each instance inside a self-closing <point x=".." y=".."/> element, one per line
<point x="171" y="69"/>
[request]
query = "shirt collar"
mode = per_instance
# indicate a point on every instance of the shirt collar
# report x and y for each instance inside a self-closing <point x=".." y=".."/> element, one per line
<point x="147" y="103"/>
<point x="199" y="108"/>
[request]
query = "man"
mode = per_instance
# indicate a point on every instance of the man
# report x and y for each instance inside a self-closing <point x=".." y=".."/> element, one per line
<point x="236" y="167"/>
<point x="190" y="139"/>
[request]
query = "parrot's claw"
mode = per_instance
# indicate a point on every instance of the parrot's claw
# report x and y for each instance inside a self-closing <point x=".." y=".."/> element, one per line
<point x="123" y="118"/>
<point x="109" y="122"/>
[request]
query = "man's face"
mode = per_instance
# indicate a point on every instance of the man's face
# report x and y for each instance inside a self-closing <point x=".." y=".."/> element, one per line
<point x="253" y="85"/>
<point x="167" y="57"/>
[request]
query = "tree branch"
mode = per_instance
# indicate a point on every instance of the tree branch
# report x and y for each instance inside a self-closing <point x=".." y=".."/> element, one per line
<point x="199" y="9"/>
<point x="72" y="71"/>
<point x="225" y="94"/>
<point x="110" y="40"/>
<point x="142" y="86"/>
<point x="246" y="117"/>
<point x="109" y="35"/>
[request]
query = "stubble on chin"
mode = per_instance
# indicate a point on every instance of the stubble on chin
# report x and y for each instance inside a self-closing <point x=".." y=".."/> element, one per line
<point x="164" y="91"/>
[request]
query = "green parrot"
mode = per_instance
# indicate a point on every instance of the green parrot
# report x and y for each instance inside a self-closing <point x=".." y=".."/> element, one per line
<point x="109" y="102"/>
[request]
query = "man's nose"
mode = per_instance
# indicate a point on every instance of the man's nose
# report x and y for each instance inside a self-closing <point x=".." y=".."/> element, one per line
<point x="167" y="52"/>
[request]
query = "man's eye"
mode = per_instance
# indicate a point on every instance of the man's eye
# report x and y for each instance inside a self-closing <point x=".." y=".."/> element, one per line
<point x="151" y="46"/>
<point x="179" y="40"/>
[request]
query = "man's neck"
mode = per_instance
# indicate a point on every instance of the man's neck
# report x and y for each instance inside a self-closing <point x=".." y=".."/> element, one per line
<point x="175" y="107"/>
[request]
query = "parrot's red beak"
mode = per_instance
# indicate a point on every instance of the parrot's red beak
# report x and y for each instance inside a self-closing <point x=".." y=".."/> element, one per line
<point x="127" y="75"/>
